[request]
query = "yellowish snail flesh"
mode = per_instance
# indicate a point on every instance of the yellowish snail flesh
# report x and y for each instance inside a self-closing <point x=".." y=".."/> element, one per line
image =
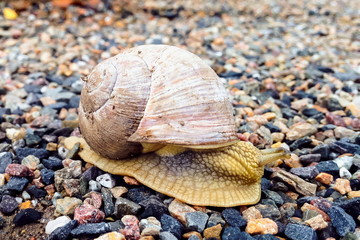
<point x="161" y="115"/>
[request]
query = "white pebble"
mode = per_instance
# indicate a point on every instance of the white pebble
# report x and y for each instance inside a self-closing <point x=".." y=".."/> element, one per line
<point x="19" y="199"/>
<point x="25" y="195"/>
<point x="344" y="173"/>
<point x="54" y="224"/>
<point x="106" y="180"/>
<point x="94" y="186"/>
<point x="345" y="161"/>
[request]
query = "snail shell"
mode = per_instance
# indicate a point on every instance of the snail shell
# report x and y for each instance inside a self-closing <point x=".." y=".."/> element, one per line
<point x="154" y="94"/>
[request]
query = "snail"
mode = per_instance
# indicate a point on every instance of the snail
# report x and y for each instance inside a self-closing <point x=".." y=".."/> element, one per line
<point x="160" y="114"/>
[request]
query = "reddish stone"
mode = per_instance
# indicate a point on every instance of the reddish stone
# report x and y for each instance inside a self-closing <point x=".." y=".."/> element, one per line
<point x="335" y="119"/>
<point x="131" y="231"/>
<point x="19" y="170"/>
<point x="87" y="213"/>
<point x="95" y="200"/>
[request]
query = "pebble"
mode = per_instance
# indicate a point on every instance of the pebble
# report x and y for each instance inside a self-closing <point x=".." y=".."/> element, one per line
<point x="170" y="224"/>
<point x="94" y="186"/>
<point x="167" y="236"/>
<point x="309" y="158"/>
<point x="233" y="217"/>
<point x="305" y="172"/>
<point x="324" y="178"/>
<point x="150" y="227"/>
<point x="26" y="216"/>
<point x="47" y="176"/>
<point x="344" y="173"/>
<point x="250" y="213"/>
<point x="213" y="232"/>
<point x="87" y="213"/>
<point x="300" y="232"/>
<point x="52" y="163"/>
<point x="323" y="150"/>
<point x="67" y="205"/>
<point x="261" y="226"/>
<point x="6" y="159"/>
<point x="124" y="206"/>
<point x="111" y="236"/>
<point x="215" y="219"/>
<point x="106" y="180"/>
<point x="90" y="229"/>
<point x="2" y="179"/>
<point x="131" y="228"/>
<point x="17" y="184"/>
<point x="342" y="186"/>
<point x="153" y="206"/>
<point x="139" y="194"/>
<point x="196" y="221"/>
<point x="36" y="192"/>
<point x="342" y="221"/>
<point x="268" y="211"/>
<point x="328" y="167"/>
<point x="297" y="183"/>
<point x="317" y="222"/>
<point x="118" y="191"/>
<point x="37" y="152"/>
<point x="109" y="206"/>
<point x="31" y="162"/>
<point x="343" y="132"/>
<point x="345" y="162"/>
<point x="8" y="204"/>
<point x="300" y="130"/>
<point x="179" y="209"/>
<point x="232" y="233"/>
<point x="56" y="223"/>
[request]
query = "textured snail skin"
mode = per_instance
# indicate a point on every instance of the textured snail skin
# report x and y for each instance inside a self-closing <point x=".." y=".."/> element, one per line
<point x="224" y="177"/>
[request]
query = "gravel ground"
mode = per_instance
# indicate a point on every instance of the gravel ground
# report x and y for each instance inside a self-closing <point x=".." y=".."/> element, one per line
<point x="292" y="69"/>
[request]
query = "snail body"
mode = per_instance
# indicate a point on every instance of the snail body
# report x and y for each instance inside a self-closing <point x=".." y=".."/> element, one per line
<point x="166" y="115"/>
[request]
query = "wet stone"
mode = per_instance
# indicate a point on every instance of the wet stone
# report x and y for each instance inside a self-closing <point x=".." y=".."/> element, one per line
<point x="8" y="204"/>
<point x="342" y="221"/>
<point x="26" y="216"/>
<point x="124" y="206"/>
<point x="196" y="221"/>
<point x="170" y="224"/>
<point x="233" y="217"/>
<point x="17" y="184"/>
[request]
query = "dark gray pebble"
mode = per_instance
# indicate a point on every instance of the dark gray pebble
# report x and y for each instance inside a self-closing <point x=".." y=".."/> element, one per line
<point x="116" y="226"/>
<point x="300" y="143"/>
<point x="167" y="236"/>
<point x="170" y="224"/>
<point x="2" y="222"/>
<point x="347" y="76"/>
<point x="37" y="152"/>
<point x="153" y="206"/>
<point x="74" y="101"/>
<point x="328" y="167"/>
<point x="309" y="158"/>
<point x="342" y="221"/>
<point x="139" y="194"/>
<point x="63" y="233"/>
<point x="124" y="206"/>
<point x="58" y="105"/>
<point x="272" y="127"/>
<point x="309" y="112"/>
<point x="351" y="206"/>
<point x="215" y="219"/>
<point x="109" y="206"/>
<point x="36" y="192"/>
<point x="274" y="196"/>
<point x="52" y="163"/>
<point x="305" y="172"/>
<point x="233" y="233"/>
<point x="90" y="229"/>
<point x="196" y="221"/>
<point x="26" y="216"/>
<point x="233" y="217"/>
<point x="265" y="184"/>
<point x="300" y="232"/>
<point x="6" y="158"/>
<point x="17" y="184"/>
<point x="348" y="147"/>
<point x="47" y="176"/>
<point x="8" y="204"/>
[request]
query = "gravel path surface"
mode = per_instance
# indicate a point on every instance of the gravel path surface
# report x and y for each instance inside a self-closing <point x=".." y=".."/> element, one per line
<point x="292" y="69"/>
